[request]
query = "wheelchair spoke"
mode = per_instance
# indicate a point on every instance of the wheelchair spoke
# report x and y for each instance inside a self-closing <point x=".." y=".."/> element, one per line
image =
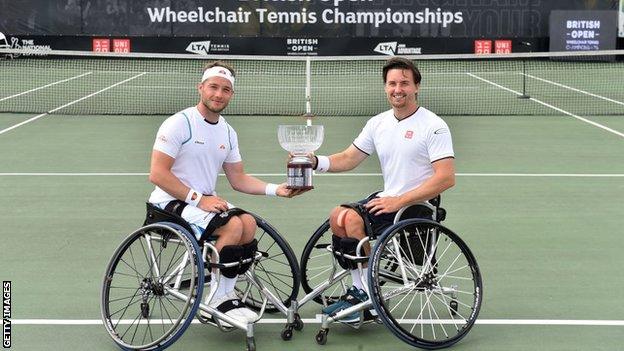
<point x="136" y="287"/>
<point x="324" y="254"/>
<point x="278" y="290"/>
<point x="125" y="309"/>
<point x="122" y="298"/>
<point x="427" y="287"/>
<point x="324" y="271"/>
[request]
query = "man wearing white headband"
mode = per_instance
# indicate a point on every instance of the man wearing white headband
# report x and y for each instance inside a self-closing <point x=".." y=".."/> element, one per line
<point x="191" y="147"/>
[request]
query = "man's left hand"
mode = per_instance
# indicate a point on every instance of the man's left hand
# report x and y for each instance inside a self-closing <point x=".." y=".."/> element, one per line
<point x="381" y="205"/>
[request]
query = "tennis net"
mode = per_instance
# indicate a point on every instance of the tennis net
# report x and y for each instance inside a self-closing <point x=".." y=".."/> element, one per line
<point x="86" y="83"/>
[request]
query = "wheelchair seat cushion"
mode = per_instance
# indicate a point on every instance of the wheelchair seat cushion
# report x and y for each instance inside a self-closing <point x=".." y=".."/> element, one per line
<point x="156" y="215"/>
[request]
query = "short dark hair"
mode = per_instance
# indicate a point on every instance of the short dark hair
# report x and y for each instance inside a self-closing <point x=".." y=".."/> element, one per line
<point x="220" y="64"/>
<point x="401" y="63"/>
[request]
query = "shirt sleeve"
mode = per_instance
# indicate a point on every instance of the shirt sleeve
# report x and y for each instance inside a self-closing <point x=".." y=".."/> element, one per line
<point x="439" y="142"/>
<point x="365" y="142"/>
<point x="172" y="134"/>
<point x="234" y="154"/>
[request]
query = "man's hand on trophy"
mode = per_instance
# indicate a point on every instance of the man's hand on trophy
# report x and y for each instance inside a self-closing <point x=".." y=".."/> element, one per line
<point x="312" y="158"/>
<point x="283" y="191"/>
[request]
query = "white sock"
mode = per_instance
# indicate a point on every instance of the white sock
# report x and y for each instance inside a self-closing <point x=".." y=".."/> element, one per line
<point x="357" y="279"/>
<point x="225" y="285"/>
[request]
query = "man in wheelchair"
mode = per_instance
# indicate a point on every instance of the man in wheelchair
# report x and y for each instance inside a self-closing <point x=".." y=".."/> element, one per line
<point x="417" y="163"/>
<point x="191" y="147"/>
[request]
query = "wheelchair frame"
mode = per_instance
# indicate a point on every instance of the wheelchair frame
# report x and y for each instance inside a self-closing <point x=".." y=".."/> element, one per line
<point x="200" y="261"/>
<point x="406" y="271"/>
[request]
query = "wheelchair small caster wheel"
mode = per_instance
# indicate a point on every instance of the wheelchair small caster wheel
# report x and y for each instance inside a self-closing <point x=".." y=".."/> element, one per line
<point x="298" y="323"/>
<point x="453" y="306"/>
<point x="251" y="344"/>
<point x="145" y="310"/>
<point x="321" y="336"/>
<point x="287" y="334"/>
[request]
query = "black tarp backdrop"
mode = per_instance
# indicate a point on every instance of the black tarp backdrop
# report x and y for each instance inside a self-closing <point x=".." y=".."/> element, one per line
<point x="473" y="19"/>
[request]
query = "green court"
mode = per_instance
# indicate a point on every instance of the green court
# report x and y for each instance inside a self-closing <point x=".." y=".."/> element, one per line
<point x="538" y="199"/>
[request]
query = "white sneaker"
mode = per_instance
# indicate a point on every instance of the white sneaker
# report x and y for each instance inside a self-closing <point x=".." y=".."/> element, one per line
<point x="232" y="307"/>
<point x="249" y="313"/>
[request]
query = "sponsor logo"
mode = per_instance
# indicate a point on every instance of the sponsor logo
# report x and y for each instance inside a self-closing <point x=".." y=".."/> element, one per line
<point x="441" y="131"/>
<point x="100" y="45"/>
<point x="302" y="46"/>
<point x="206" y="47"/>
<point x="502" y="46"/>
<point x="199" y="142"/>
<point x="396" y="48"/>
<point x="28" y="46"/>
<point x="409" y="134"/>
<point x="121" y="45"/>
<point x="482" y="47"/>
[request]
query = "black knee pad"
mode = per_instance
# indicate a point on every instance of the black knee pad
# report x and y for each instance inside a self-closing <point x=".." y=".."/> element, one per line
<point x="344" y="246"/>
<point x="228" y="254"/>
<point x="249" y="251"/>
<point x="349" y="245"/>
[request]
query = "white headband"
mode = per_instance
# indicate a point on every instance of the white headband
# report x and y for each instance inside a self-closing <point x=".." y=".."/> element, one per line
<point x="218" y="71"/>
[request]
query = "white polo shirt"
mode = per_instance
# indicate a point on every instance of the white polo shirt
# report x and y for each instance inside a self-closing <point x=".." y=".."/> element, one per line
<point x="406" y="148"/>
<point x="199" y="147"/>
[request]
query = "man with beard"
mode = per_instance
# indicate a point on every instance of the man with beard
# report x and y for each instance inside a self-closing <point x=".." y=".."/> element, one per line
<point x="417" y="163"/>
<point x="191" y="147"/>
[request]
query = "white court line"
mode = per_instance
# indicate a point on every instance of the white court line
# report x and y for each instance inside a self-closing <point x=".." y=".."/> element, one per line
<point x="69" y="104"/>
<point x="551" y="106"/>
<point x="317" y="320"/>
<point x="45" y="86"/>
<point x="574" y="89"/>
<point x="122" y="174"/>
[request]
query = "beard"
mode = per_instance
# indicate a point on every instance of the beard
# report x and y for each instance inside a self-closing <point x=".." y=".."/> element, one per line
<point x="213" y="109"/>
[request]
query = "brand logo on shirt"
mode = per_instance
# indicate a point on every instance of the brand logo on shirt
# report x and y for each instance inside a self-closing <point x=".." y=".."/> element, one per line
<point x="162" y="138"/>
<point x="409" y="134"/>
<point x="441" y="131"/>
<point x="199" y="142"/>
<point x="222" y="147"/>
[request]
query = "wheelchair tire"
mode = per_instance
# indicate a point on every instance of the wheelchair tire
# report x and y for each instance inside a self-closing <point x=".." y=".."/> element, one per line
<point x="442" y="298"/>
<point x="316" y="265"/>
<point x="138" y="283"/>
<point x="278" y="269"/>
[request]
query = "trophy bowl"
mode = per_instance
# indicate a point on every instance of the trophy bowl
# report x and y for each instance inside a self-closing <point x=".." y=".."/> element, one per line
<point x="300" y="140"/>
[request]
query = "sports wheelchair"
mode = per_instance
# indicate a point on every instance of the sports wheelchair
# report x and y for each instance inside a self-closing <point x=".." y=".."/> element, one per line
<point x="153" y="285"/>
<point x="424" y="283"/>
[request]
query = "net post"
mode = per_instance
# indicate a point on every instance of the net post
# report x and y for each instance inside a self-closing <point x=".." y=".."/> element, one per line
<point x="308" y="89"/>
<point x="524" y="94"/>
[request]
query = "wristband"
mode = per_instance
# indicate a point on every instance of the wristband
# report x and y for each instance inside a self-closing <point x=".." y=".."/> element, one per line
<point x="271" y="189"/>
<point x="322" y="164"/>
<point x="193" y="197"/>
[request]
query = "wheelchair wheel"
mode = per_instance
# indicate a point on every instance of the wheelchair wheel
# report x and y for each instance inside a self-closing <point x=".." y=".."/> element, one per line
<point x="431" y="289"/>
<point x="143" y="307"/>
<point x="278" y="269"/>
<point x="317" y="264"/>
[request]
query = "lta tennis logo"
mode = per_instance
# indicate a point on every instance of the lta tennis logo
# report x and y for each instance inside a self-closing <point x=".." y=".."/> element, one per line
<point x="6" y="314"/>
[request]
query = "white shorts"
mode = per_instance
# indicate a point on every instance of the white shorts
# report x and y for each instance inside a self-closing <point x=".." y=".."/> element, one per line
<point x="196" y="217"/>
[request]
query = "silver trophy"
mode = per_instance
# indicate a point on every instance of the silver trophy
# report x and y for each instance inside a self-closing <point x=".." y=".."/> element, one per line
<point x="300" y="140"/>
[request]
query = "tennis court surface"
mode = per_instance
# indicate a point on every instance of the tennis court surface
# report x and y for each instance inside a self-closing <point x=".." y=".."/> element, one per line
<point x="538" y="197"/>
